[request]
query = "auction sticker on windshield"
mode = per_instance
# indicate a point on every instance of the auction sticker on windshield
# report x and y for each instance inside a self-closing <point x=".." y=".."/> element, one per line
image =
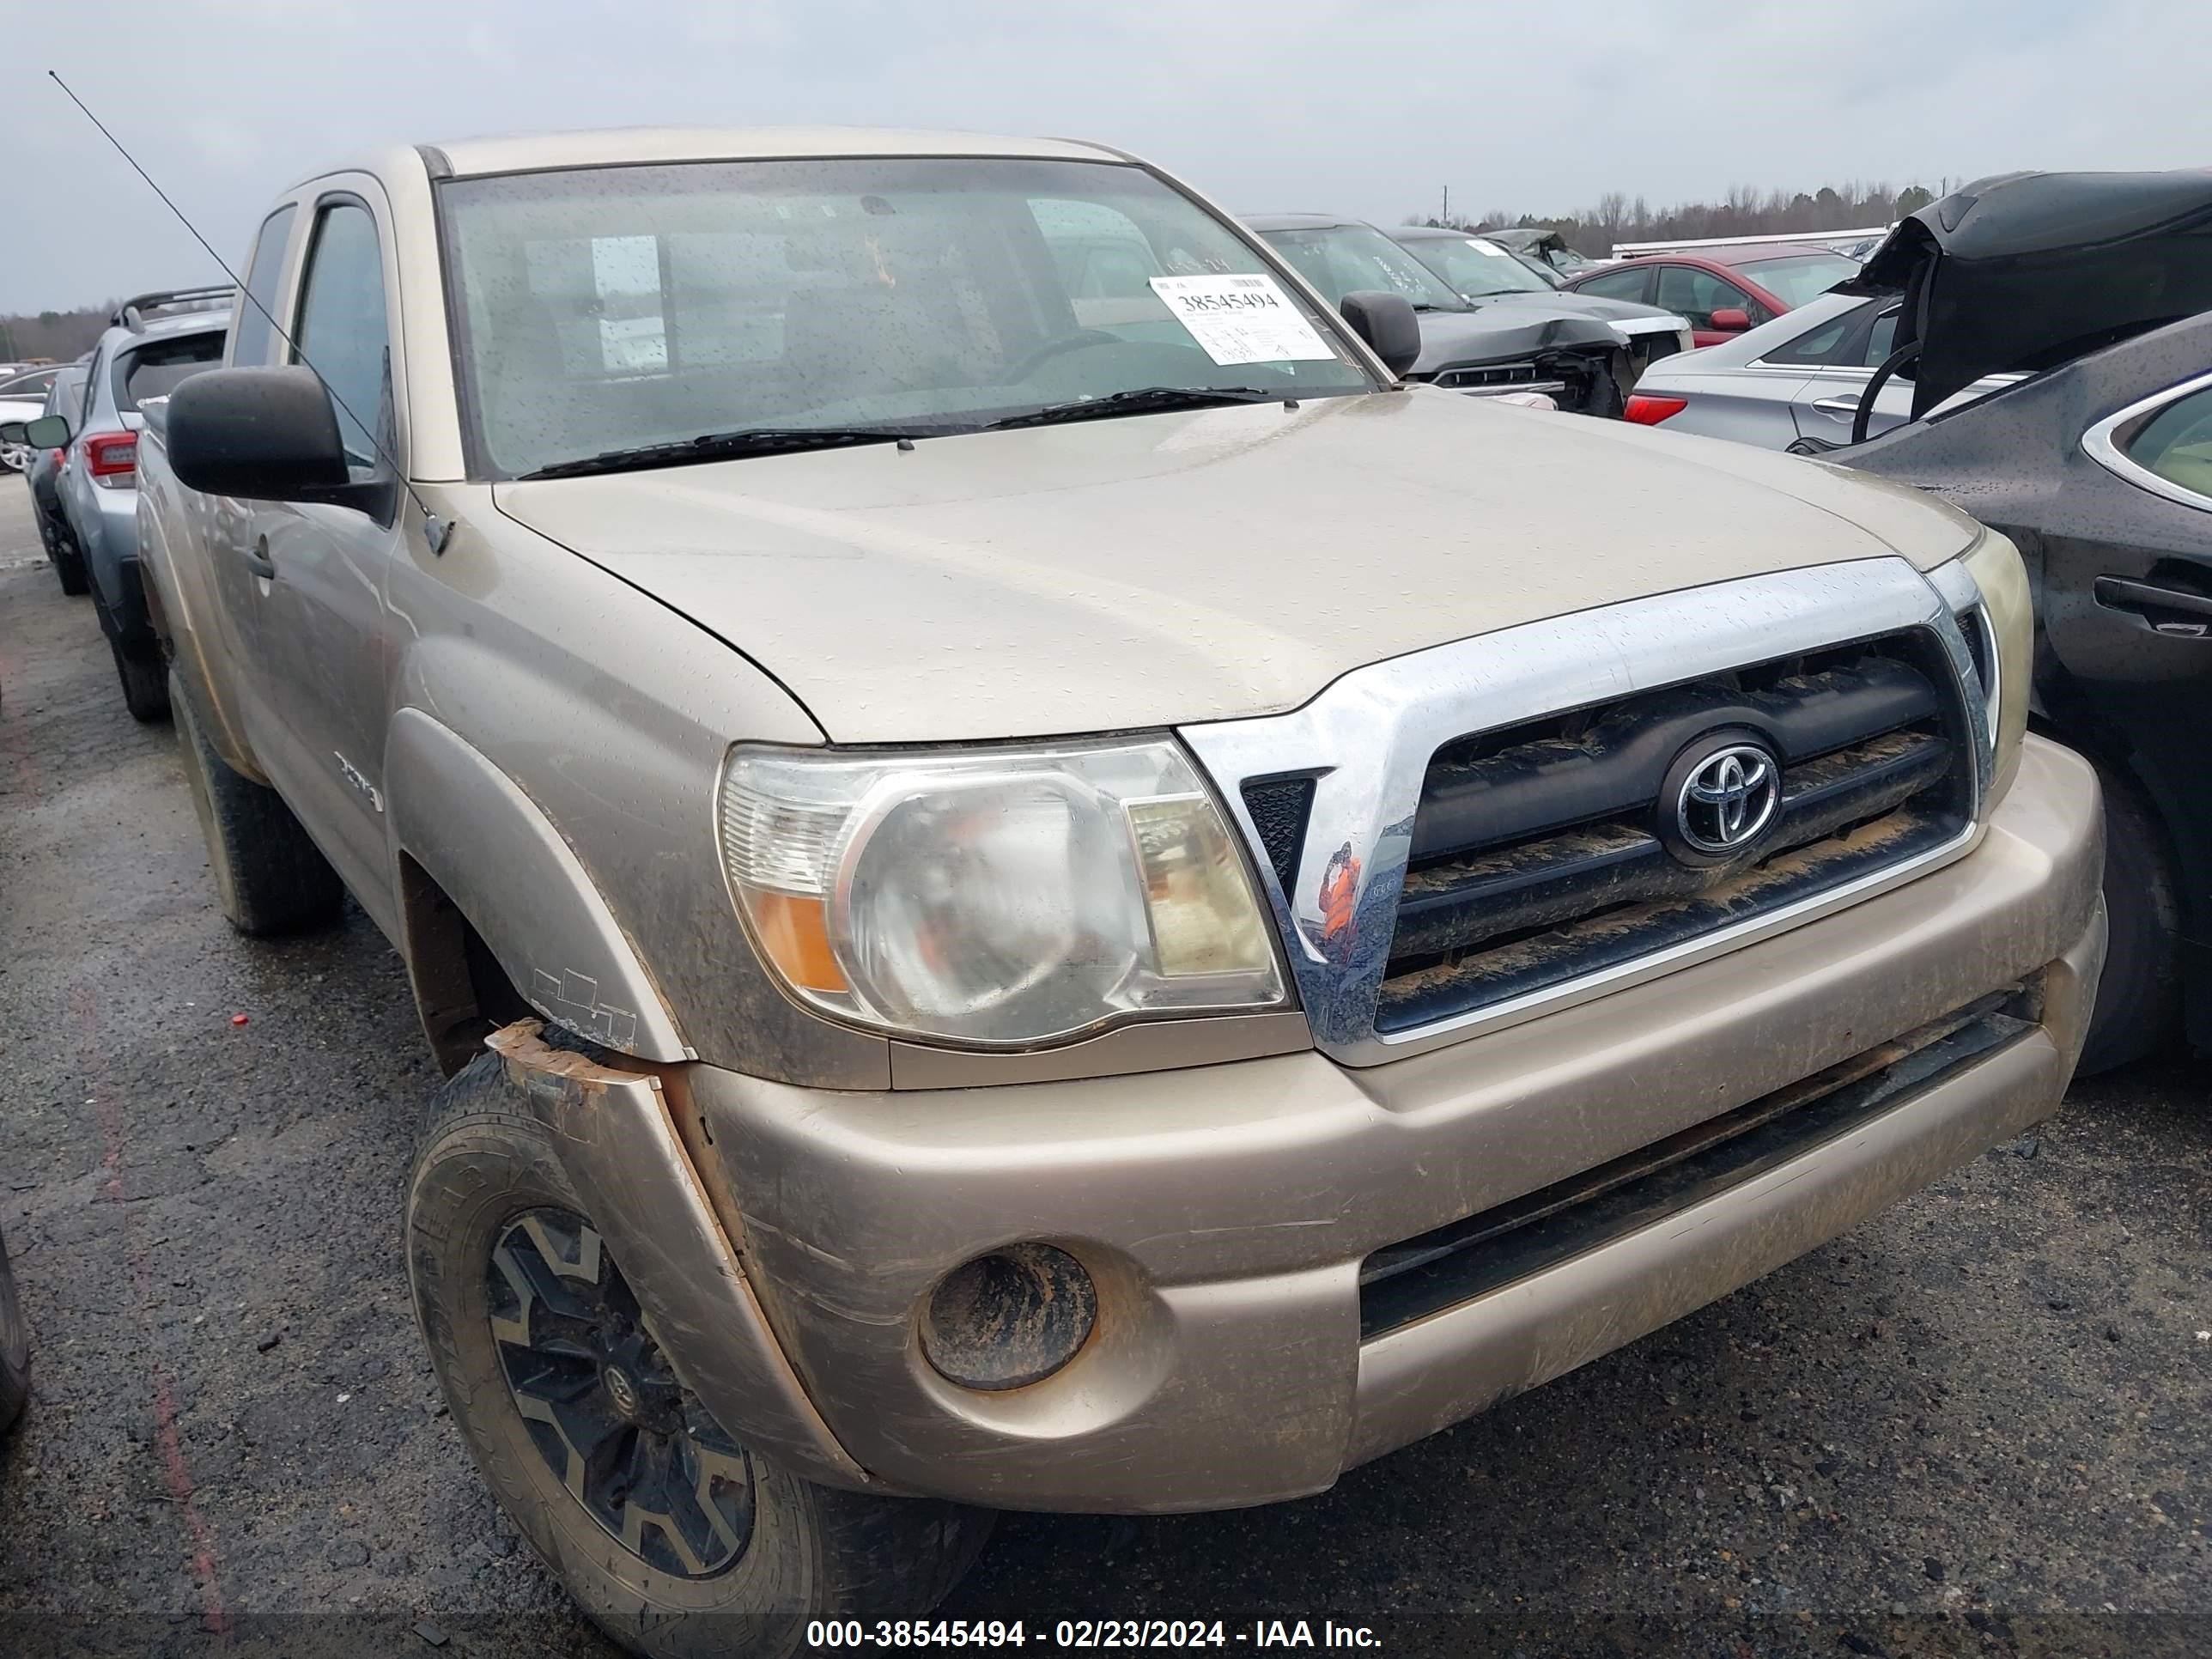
<point x="1242" y="319"/>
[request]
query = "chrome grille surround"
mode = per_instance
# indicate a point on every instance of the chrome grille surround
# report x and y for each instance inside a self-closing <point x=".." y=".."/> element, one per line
<point x="1367" y="741"/>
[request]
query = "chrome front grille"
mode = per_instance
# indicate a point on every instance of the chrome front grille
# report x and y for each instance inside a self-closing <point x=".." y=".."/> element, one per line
<point x="1541" y="855"/>
<point x="1468" y="835"/>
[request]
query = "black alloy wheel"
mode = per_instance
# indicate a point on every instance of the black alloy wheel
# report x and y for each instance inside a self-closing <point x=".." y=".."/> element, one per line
<point x="638" y="1452"/>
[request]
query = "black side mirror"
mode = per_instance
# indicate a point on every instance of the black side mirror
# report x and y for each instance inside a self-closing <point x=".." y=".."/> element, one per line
<point x="47" y="432"/>
<point x="1386" y="321"/>
<point x="264" y="435"/>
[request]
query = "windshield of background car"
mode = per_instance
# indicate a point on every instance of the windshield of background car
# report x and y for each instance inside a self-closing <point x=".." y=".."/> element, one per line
<point x="159" y="366"/>
<point x="606" y="309"/>
<point x="1800" y="277"/>
<point x="1551" y="277"/>
<point x="1341" y="259"/>
<point x="1476" y="267"/>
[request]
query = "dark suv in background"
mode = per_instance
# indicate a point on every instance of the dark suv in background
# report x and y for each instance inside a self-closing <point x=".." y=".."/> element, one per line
<point x="1581" y="364"/>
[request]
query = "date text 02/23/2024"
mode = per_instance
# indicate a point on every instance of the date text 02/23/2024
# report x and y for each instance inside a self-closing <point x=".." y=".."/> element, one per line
<point x="827" y="1634"/>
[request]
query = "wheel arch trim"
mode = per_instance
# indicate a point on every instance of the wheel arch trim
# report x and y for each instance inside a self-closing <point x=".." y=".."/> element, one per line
<point x="496" y="855"/>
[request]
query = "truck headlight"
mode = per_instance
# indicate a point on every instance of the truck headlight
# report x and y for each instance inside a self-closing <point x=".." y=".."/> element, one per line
<point x="2008" y="647"/>
<point x="995" y="897"/>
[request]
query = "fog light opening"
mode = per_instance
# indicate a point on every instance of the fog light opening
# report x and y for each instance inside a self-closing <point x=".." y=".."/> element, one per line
<point x="1009" y="1318"/>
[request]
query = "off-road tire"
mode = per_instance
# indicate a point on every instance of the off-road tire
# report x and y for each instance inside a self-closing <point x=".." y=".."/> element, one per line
<point x="2138" y="1010"/>
<point x="68" y="565"/>
<point x="814" y="1552"/>
<point x="269" y="877"/>
<point x="14" y="1347"/>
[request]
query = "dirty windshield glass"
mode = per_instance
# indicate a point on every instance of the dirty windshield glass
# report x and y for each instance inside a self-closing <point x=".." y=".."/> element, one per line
<point x="610" y="309"/>
<point x="1341" y="259"/>
<point x="1475" y="267"/>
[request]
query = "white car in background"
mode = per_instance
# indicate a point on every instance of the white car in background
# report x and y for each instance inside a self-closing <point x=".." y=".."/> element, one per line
<point x="1798" y="378"/>
<point x="23" y="398"/>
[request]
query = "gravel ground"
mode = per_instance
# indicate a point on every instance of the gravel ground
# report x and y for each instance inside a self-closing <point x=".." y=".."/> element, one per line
<point x="1976" y="1425"/>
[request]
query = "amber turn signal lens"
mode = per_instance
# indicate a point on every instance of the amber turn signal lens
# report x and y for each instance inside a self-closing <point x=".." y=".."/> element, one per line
<point x="795" y="933"/>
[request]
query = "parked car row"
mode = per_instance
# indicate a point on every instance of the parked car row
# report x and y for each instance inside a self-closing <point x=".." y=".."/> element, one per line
<point x="1577" y="359"/>
<point x="22" y="397"/>
<point x="82" y="466"/>
<point x="1046" y="878"/>
<point x="1722" y="291"/>
<point x="2061" y="390"/>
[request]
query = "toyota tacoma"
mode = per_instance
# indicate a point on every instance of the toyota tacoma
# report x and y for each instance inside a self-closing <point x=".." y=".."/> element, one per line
<point x="1044" y="898"/>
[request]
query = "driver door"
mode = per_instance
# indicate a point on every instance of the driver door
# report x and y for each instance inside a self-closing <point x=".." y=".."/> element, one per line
<point x="323" y="633"/>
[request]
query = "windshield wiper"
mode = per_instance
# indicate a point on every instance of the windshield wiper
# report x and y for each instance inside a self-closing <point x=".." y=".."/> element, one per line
<point x="729" y="446"/>
<point x="1143" y="400"/>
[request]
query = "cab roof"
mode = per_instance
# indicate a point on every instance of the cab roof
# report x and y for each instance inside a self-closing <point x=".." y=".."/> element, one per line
<point x="1302" y="221"/>
<point x="632" y="146"/>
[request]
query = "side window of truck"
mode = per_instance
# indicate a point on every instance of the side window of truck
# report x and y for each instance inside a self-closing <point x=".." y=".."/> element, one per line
<point x="250" y="342"/>
<point x="341" y="332"/>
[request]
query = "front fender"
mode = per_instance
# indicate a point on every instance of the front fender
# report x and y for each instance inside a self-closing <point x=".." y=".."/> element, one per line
<point x="499" y="859"/>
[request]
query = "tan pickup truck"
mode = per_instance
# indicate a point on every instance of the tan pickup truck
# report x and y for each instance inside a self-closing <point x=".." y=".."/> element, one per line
<point x="1042" y="888"/>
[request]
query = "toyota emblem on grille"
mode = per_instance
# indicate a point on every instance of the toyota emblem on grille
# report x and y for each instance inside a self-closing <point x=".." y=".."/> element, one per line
<point x="1728" y="798"/>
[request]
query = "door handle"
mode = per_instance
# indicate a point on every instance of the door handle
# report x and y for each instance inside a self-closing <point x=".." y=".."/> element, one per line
<point x="2163" y="609"/>
<point x="1841" y="408"/>
<point x="257" y="560"/>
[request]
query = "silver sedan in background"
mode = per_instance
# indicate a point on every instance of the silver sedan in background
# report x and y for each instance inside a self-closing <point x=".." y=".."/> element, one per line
<point x="1800" y="376"/>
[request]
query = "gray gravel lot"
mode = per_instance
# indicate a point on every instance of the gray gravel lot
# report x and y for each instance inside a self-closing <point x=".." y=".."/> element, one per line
<point x="1978" y="1424"/>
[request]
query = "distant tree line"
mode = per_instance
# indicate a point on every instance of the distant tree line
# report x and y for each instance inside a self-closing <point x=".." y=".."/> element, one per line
<point x="60" y="334"/>
<point x="1742" y="212"/>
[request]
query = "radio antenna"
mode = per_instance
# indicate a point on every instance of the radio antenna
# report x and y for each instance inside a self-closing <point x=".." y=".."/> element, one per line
<point x="436" y="532"/>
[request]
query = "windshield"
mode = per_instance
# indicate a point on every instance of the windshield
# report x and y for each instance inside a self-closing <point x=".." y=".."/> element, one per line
<point x="1341" y="259"/>
<point x="1801" y="276"/>
<point x="611" y="309"/>
<point x="1476" y="267"/>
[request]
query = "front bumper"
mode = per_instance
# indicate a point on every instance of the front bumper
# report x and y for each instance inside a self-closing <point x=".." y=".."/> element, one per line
<point x="1225" y="1211"/>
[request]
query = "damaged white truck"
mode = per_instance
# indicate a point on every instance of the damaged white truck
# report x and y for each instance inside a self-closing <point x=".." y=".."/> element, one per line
<point x="1041" y="887"/>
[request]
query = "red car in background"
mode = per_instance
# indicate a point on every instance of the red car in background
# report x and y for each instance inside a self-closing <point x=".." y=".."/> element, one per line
<point x="1721" y="291"/>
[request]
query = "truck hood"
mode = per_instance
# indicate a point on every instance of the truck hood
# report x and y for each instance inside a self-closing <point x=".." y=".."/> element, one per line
<point x="1156" y="570"/>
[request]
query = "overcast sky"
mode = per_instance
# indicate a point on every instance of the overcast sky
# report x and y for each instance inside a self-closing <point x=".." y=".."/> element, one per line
<point x="1539" y="105"/>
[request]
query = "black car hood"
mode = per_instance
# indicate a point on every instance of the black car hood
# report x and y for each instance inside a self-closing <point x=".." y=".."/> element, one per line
<point x="1492" y="334"/>
<point x="1573" y="305"/>
<point x="2025" y="439"/>
<point x="2027" y="270"/>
